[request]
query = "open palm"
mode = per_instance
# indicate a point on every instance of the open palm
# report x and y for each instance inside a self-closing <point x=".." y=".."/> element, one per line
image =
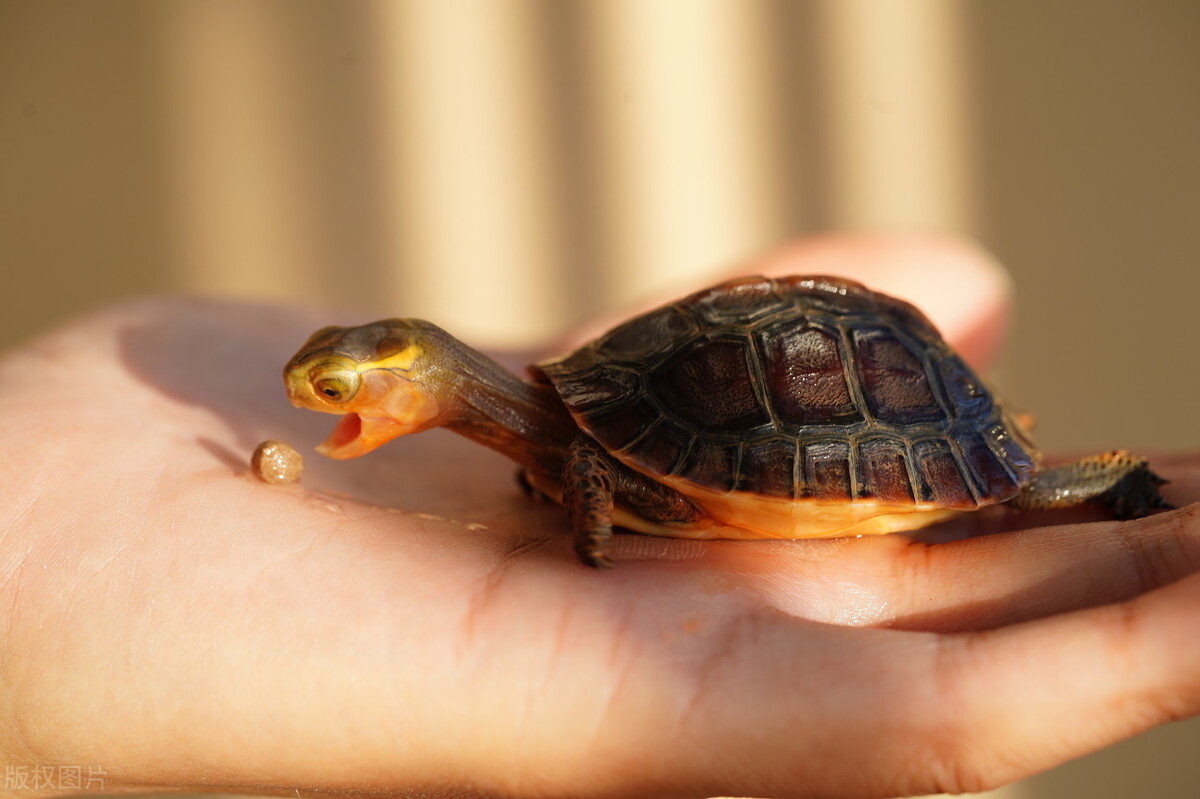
<point x="409" y="621"/>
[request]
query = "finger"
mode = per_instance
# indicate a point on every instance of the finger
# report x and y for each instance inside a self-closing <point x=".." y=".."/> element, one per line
<point x="964" y="291"/>
<point x="974" y="584"/>
<point x="1039" y="694"/>
<point x="833" y="711"/>
<point x="993" y="581"/>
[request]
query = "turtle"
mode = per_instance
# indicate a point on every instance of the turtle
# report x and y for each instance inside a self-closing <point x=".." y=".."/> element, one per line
<point x="790" y="407"/>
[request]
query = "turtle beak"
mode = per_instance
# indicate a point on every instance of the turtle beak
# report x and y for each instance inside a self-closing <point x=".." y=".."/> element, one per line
<point x="357" y="435"/>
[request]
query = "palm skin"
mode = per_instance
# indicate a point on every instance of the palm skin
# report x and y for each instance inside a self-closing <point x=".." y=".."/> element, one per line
<point x="174" y="620"/>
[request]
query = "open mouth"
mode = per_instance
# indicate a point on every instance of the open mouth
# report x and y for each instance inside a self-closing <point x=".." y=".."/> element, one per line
<point x="348" y="428"/>
<point x="356" y="435"/>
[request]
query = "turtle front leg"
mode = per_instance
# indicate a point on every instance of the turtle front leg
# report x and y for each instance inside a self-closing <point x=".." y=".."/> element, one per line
<point x="594" y="481"/>
<point x="587" y="493"/>
<point x="1120" y="481"/>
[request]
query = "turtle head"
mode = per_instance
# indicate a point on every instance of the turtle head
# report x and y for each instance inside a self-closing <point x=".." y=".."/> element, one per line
<point x="384" y="379"/>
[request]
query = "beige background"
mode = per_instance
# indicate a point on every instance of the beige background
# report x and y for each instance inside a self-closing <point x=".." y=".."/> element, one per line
<point x="510" y="167"/>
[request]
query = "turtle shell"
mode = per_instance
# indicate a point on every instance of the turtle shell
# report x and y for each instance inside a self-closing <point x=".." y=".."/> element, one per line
<point x="796" y="388"/>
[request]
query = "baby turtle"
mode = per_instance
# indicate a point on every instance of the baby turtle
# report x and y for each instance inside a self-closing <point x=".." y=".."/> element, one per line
<point x="798" y="407"/>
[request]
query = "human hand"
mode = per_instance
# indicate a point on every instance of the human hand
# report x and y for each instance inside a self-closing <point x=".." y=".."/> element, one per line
<point x="174" y="621"/>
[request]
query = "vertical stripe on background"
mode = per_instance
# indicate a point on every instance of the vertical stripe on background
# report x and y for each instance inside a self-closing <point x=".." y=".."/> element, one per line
<point x="681" y="96"/>
<point x="896" y="116"/>
<point x="244" y="220"/>
<point x="476" y="238"/>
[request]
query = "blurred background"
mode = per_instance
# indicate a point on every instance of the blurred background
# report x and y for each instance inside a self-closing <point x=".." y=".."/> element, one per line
<point x="509" y="167"/>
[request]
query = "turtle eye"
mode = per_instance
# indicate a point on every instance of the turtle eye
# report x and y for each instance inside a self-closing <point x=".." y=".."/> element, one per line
<point x="337" y="387"/>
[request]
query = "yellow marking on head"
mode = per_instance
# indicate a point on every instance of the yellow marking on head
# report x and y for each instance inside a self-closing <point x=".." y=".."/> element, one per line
<point x="402" y="360"/>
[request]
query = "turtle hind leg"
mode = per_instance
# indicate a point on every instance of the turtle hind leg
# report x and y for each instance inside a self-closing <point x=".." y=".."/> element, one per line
<point x="528" y="488"/>
<point x="1119" y="481"/>
<point x="587" y="492"/>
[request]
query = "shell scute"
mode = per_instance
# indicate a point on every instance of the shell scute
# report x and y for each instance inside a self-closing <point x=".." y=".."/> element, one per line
<point x="710" y="385"/>
<point x="827" y="470"/>
<point x="600" y="387"/>
<point x="768" y="468"/>
<point x="1010" y="451"/>
<point x="893" y="379"/>
<point x="991" y="477"/>
<point x="966" y="393"/>
<point x="711" y="464"/>
<point x="626" y="423"/>
<point x="883" y="471"/>
<point x="643" y="339"/>
<point x="940" y="478"/>
<point x="804" y="368"/>
<point x="838" y="296"/>
<point x="663" y="449"/>
<point x="737" y="301"/>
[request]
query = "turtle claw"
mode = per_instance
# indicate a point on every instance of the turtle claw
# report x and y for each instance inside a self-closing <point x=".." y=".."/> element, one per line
<point x="1135" y="494"/>
<point x="597" y="560"/>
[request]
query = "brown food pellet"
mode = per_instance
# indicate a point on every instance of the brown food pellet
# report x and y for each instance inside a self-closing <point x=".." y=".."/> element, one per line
<point x="276" y="462"/>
